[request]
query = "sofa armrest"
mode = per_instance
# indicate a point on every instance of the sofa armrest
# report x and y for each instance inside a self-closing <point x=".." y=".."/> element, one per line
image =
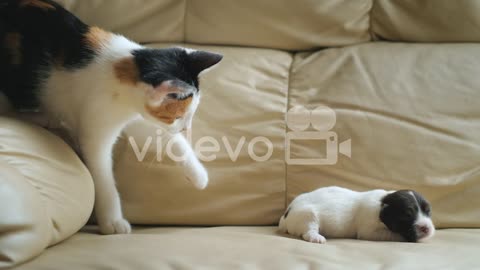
<point x="46" y="193"/>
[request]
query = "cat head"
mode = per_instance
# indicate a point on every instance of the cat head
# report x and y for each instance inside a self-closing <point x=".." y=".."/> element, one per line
<point x="167" y="82"/>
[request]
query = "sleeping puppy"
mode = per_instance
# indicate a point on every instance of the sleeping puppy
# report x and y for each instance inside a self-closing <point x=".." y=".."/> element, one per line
<point x="377" y="215"/>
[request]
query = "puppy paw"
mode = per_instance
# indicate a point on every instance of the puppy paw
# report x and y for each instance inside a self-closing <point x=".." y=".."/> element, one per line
<point x="115" y="226"/>
<point x="197" y="175"/>
<point x="314" y="237"/>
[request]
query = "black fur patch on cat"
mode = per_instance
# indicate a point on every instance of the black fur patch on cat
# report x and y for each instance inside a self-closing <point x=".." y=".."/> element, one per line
<point x="175" y="64"/>
<point x="400" y="211"/>
<point x="34" y="36"/>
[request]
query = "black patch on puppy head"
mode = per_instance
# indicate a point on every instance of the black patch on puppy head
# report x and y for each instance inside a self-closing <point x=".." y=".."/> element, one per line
<point x="286" y="213"/>
<point x="176" y="64"/>
<point x="400" y="211"/>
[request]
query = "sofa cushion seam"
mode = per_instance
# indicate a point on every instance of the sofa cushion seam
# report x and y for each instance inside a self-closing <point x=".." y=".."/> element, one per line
<point x="289" y="81"/>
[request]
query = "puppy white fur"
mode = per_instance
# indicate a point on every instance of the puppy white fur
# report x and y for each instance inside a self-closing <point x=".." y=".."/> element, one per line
<point x="378" y="215"/>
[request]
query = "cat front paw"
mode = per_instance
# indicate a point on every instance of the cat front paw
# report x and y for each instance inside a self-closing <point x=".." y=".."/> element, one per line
<point x="198" y="176"/>
<point x="115" y="226"/>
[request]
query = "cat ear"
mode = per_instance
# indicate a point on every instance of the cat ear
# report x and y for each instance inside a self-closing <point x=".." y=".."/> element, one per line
<point x="202" y="60"/>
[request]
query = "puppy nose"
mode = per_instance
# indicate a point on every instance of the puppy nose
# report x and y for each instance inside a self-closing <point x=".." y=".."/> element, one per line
<point x="423" y="228"/>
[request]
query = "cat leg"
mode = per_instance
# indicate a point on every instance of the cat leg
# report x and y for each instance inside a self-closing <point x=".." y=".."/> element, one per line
<point x="184" y="155"/>
<point x="97" y="151"/>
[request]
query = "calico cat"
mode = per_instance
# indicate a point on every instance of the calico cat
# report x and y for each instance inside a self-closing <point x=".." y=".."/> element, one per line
<point x="95" y="82"/>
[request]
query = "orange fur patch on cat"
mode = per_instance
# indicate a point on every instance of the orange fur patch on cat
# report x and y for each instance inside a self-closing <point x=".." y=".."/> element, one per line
<point x="13" y="42"/>
<point x="36" y="3"/>
<point x="170" y="110"/>
<point x="126" y="71"/>
<point x="97" y="37"/>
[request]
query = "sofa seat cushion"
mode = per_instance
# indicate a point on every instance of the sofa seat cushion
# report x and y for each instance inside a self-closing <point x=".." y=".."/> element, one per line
<point x="46" y="193"/>
<point x="254" y="248"/>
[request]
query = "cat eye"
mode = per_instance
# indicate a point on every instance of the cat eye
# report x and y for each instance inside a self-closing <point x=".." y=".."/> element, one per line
<point x="173" y="96"/>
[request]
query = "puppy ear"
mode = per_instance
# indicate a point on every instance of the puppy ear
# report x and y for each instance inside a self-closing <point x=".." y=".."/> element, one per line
<point x="383" y="215"/>
<point x="384" y="210"/>
<point x="202" y="60"/>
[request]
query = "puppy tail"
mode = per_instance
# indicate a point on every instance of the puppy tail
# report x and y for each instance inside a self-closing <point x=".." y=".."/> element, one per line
<point x="282" y="224"/>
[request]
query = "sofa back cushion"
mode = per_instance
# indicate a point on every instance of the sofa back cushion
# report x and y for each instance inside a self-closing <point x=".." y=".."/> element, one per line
<point x="427" y="21"/>
<point x="139" y="20"/>
<point x="290" y="25"/>
<point x="286" y="24"/>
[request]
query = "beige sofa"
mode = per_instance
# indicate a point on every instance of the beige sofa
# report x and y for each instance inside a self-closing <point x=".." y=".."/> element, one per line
<point x="401" y="79"/>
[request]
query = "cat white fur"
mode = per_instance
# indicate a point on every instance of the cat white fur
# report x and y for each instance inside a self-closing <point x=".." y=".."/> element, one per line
<point x="95" y="111"/>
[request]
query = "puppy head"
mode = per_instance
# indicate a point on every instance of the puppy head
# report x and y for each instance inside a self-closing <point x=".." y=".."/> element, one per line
<point x="407" y="213"/>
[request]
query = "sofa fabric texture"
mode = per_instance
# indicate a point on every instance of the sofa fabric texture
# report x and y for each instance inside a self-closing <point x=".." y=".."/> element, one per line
<point x="398" y="78"/>
<point x="46" y="193"/>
